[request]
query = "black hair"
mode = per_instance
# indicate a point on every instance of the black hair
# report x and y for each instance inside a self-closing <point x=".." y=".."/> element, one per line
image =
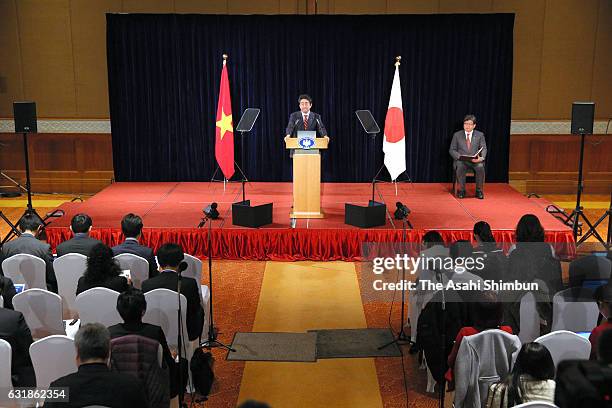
<point x="170" y="255"/>
<point x="461" y="249"/>
<point x="488" y="311"/>
<point x="432" y="238"/>
<point x="29" y="222"/>
<point x="92" y="341"/>
<point x="469" y="117"/>
<point x="534" y="360"/>
<point x="131" y="305"/>
<point x="131" y="225"/>
<point x="483" y="230"/>
<point x="529" y="229"/>
<point x="100" y="264"/>
<point x="304" y="96"/>
<point x="80" y="223"/>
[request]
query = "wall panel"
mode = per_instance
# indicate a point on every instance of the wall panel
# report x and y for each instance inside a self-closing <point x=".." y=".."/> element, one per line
<point x="359" y="7"/>
<point x="567" y="56"/>
<point x="10" y="58"/>
<point x="412" y="7"/>
<point x="201" y="7"/>
<point x="528" y="39"/>
<point x="47" y="62"/>
<point x="253" y="7"/>
<point x="601" y="91"/>
<point x="89" y="45"/>
<point x="466" y="6"/>
<point x="148" y="6"/>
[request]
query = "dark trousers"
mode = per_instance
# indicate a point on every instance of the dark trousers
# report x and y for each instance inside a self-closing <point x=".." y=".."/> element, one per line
<point x="461" y="169"/>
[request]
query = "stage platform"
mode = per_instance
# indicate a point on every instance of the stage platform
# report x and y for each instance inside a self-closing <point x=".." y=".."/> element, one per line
<point x="171" y="212"/>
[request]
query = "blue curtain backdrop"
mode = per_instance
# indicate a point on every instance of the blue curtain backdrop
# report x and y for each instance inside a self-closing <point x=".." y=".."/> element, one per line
<point x="164" y="73"/>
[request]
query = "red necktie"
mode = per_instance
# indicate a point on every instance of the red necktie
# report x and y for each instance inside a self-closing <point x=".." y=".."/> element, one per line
<point x="467" y="140"/>
<point x="305" y="122"/>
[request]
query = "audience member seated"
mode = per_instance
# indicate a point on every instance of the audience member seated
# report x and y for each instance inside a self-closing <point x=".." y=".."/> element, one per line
<point x="131" y="226"/>
<point x="27" y="243"/>
<point x="433" y="247"/>
<point x="531" y="379"/>
<point x="7" y="291"/>
<point x="102" y="271"/>
<point x="169" y="257"/>
<point x="14" y="329"/>
<point x="603" y="297"/>
<point x="94" y="383"/>
<point x="495" y="262"/>
<point x="533" y="260"/>
<point x="132" y="306"/>
<point x="604" y="353"/>
<point x="81" y="243"/>
<point x="591" y="267"/>
<point x="487" y="313"/>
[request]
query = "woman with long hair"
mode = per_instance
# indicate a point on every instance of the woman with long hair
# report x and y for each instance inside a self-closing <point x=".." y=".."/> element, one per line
<point x="531" y="379"/>
<point x="102" y="271"/>
<point x="494" y="261"/>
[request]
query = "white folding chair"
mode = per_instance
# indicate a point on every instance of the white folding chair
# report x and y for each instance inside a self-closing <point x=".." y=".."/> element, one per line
<point x="536" y="404"/>
<point x="27" y="269"/>
<point x="565" y="345"/>
<point x="194" y="270"/>
<point x="68" y="269"/>
<point x="162" y="307"/>
<point x="52" y="357"/>
<point x="575" y="310"/>
<point x="98" y="305"/>
<point x="529" y="319"/>
<point x="5" y="361"/>
<point x="42" y="311"/>
<point x="138" y="267"/>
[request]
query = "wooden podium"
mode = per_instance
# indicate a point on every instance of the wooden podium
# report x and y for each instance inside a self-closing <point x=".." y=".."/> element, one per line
<point x="306" y="178"/>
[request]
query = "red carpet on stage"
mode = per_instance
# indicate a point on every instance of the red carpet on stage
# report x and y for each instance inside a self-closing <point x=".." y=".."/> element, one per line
<point x="171" y="212"/>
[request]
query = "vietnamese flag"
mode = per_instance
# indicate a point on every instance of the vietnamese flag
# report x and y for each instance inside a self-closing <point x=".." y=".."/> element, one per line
<point x="394" y="142"/>
<point x="224" y="140"/>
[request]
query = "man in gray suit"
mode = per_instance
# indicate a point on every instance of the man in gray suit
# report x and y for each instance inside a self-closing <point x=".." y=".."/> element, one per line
<point x="27" y="243"/>
<point x="468" y="142"/>
<point x="81" y="243"/>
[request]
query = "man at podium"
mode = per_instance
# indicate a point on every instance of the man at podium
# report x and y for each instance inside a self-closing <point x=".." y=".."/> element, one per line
<point x="305" y="119"/>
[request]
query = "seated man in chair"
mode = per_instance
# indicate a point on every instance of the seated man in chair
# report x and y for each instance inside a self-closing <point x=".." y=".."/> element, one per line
<point x="468" y="142"/>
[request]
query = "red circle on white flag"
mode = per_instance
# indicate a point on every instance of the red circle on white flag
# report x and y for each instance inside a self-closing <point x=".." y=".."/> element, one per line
<point x="394" y="125"/>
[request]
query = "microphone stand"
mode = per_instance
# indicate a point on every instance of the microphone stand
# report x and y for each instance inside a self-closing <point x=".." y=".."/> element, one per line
<point x="212" y="336"/>
<point x="179" y="271"/>
<point x="442" y="386"/>
<point x="401" y="336"/>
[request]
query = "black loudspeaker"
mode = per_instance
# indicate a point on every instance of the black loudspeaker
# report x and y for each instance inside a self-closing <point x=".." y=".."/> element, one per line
<point x="25" y="117"/>
<point x="365" y="217"/>
<point x="246" y="216"/>
<point x="583" y="116"/>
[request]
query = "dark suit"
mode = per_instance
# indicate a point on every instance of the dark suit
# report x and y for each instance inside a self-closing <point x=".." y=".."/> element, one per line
<point x="29" y="244"/>
<point x="150" y="331"/>
<point x="131" y="246"/>
<point x="116" y="283"/>
<point x="7" y="290"/>
<point x="81" y="243"/>
<point x="13" y="328"/>
<point x="313" y="124"/>
<point x="190" y="288"/>
<point x="95" y="384"/>
<point x="459" y="148"/>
